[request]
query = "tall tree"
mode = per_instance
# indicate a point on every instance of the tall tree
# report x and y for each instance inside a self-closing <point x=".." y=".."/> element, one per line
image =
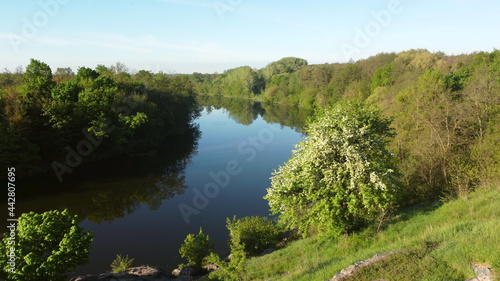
<point x="37" y="83"/>
<point x="340" y="177"/>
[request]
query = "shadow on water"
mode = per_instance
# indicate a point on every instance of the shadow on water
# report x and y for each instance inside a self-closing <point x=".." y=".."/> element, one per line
<point x="113" y="188"/>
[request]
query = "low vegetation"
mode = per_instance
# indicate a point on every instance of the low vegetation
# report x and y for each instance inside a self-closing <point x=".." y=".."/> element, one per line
<point x="195" y="248"/>
<point x="256" y="234"/>
<point x="441" y="242"/>
<point x="121" y="264"/>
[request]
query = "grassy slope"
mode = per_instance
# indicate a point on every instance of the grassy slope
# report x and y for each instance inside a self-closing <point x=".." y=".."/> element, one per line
<point x="444" y="240"/>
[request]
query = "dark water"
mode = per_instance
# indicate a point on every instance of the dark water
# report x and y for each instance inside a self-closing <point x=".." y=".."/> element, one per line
<point x="144" y="206"/>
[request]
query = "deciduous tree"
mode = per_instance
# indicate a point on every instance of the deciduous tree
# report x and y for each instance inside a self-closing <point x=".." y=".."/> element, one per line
<point x="340" y="177"/>
<point x="46" y="246"/>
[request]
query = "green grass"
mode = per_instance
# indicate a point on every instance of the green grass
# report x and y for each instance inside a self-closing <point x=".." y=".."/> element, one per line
<point x="442" y="242"/>
<point x="121" y="264"/>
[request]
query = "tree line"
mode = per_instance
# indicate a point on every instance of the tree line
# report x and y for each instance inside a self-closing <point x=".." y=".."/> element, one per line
<point x="445" y="108"/>
<point x="44" y="115"/>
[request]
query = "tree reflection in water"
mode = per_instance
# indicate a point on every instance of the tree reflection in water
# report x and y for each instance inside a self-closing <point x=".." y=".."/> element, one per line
<point x="112" y="189"/>
<point x="245" y="111"/>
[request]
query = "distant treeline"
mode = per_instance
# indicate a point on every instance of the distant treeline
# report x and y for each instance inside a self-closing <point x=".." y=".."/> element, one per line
<point x="70" y="118"/>
<point x="446" y="109"/>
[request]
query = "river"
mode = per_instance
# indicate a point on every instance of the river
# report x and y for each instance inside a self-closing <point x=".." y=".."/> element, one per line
<point x="144" y="205"/>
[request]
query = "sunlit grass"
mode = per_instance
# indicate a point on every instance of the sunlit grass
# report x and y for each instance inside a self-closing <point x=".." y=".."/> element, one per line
<point x="441" y="242"/>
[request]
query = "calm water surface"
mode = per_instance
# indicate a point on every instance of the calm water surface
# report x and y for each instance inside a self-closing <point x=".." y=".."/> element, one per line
<point x="135" y="205"/>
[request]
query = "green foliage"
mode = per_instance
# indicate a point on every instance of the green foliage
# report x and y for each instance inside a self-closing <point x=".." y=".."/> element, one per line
<point x="37" y="80"/>
<point x="344" y="75"/>
<point x="340" y="177"/>
<point x="256" y="234"/>
<point x="240" y="82"/>
<point x="44" y="113"/>
<point x="196" y="248"/>
<point x="382" y="77"/>
<point x="248" y="235"/>
<point x="235" y="268"/>
<point x="121" y="264"/>
<point x="456" y="80"/>
<point x="284" y="65"/>
<point x="47" y="246"/>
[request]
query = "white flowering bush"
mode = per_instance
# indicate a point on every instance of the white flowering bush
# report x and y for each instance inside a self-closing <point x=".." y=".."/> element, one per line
<point x="341" y="177"/>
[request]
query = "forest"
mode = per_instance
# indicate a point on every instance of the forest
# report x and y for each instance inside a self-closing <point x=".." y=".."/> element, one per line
<point x="445" y="109"/>
<point x="54" y="121"/>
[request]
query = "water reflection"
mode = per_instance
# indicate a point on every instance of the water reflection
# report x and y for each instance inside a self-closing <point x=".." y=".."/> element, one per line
<point x="245" y="111"/>
<point x="105" y="191"/>
<point x="131" y="202"/>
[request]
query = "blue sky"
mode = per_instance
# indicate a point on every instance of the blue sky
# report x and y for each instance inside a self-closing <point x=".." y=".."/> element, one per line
<point x="185" y="36"/>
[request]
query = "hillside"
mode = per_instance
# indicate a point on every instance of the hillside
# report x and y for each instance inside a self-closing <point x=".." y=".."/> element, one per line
<point x="439" y="242"/>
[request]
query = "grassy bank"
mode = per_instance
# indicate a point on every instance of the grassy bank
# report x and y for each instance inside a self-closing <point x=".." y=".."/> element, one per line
<point x="442" y="241"/>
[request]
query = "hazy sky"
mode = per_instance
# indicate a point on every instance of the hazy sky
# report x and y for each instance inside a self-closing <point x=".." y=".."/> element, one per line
<point x="185" y="36"/>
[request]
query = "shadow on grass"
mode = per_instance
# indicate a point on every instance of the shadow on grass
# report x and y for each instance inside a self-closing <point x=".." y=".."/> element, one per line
<point x="408" y="213"/>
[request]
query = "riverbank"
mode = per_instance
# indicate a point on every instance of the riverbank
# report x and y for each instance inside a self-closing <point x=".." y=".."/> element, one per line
<point x="433" y="242"/>
<point x="457" y="240"/>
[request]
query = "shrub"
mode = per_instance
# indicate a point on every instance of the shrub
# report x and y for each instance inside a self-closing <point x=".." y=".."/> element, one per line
<point x="120" y="264"/>
<point x="196" y="248"/>
<point x="47" y="246"/>
<point x="232" y="270"/>
<point x="255" y="233"/>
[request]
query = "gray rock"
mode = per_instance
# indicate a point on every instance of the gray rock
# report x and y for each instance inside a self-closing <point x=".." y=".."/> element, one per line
<point x="187" y="271"/>
<point x="176" y="272"/>
<point x="210" y="267"/>
<point x="346" y="272"/>
<point x="141" y="273"/>
<point x="483" y="272"/>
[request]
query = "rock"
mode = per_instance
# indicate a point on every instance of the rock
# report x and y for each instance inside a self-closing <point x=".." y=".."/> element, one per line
<point x="143" y="270"/>
<point x="141" y="273"/>
<point x="346" y="272"/>
<point x="187" y="271"/>
<point x="483" y="272"/>
<point x="176" y="272"/>
<point x="210" y="267"/>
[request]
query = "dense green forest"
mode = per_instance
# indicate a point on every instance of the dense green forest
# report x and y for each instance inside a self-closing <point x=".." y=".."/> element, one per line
<point x="56" y="121"/>
<point x="445" y="109"/>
